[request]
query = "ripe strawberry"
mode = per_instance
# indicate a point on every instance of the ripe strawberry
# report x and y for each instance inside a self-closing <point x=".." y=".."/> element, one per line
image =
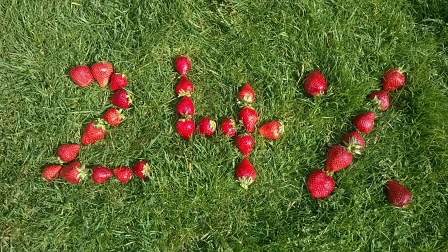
<point x="319" y="184"/>
<point x="245" y="143"/>
<point x="245" y="173"/>
<point x="338" y="158"/>
<point x="315" y="83"/>
<point x="353" y="142"/>
<point x="113" y="117"/>
<point x="123" y="174"/>
<point x="185" y="107"/>
<point x="141" y="169"/>
<point x="118" y="81"/>
<point x="397" y="194"/>
<point x="68" y="152"/>
<point x="102" y="71"/>
<point x="184" y="87"/>
<point x="246" y="95"/>
<point x="182" y="65"/>
<point x="206" y="127"/>
<point x="93" y="133"/>
<point x="81" y="75"/>
<point x="380" y="99"/>
<point x="100" y="174"/>
<point x="249" y="118"/>
<point x="50" y="172"/>
<point x="185" y="128"/>
<point x="392" y="80"/>
<point x="228" y="127"/>
<point x="364" y="122"/>
<point x="121" y="99"/>
<point x="73" y="172"/>
<point x="271" y="130"/>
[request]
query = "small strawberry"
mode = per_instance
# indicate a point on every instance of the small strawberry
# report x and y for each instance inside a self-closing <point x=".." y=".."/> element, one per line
<point x="68" y="152"/>
<point x="113" y="117"/>
<point x="397" y="194"/>
<point x="121" y="99"/>
<point x="353" y="142"/>
<point x="118" y="81"/>
<point x="184" y="87"/>
<point x="249" y="117"/>
<point x="50" y="172"/>
<point x="73" y="172"/>
<point x="319" y="184"/>
<point x="185" y="107"/>
<point x="142" y="169"/>
<point x="392" y="80"/>
<point x="245" y="143"/>
<point x="380" y="99"/>
<point x="338" y="158"/>
<point x="100" y="174"/>
<point x="245" y="173"/>
<point x="206" y="127"/>
<point x="93" y="133"/>
<point x="102" y="71"/>
<point x="81" y="75"/>
<point x="185" y="128"/>
<point x="123" y="174"/>
<point x="364" y="122"/>
<point x="228" y="127"/>
<point x="271" y="130"/>
<point x="182" y="65"/>
<point x="315" y="83"/>
<point x="246" y="95"/>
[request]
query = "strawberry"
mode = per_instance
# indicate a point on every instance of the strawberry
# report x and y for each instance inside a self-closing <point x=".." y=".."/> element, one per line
<point x="73" y="172"/>
<point x="123" y="174"/>
<point x="121" y="99"/>
<point x="315" y="83"/>
<point x="245" y="173"/>
<point x="245" y="143"/>
<point x="141" y="169"/>
<point x="182" y="65"/>
<point x="397" y="194"/>
<point x="50" y="172"/>
<point x="354" y="142"/>
<point x="271" y="130"/>
<point x="185" y="128"/>
<point x="246" y="95"/>
<point x="228" y="127"/>
<point x="338" y="158"/>
<point x="206" y="127"/>
<point x="184" y="87"/>
<point x="68" y="152"/>
<point x="319" y="184"/>
<point x="392" y="80"/>
<point x="102" y="71"/>
<point x="113" y="117"/>
<point x="93" y="133"/>
<point x="185" y="107"/>
<point x="364" y="122"/>
<point x="118" y="81"/>
<point x="249" y="117"/>
<point x="100" y="174"/>
<point x="81" y="75"/>
<point x="380" y="99"/>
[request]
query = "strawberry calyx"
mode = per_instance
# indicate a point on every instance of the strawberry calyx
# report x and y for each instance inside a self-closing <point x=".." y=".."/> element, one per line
<point x="245" y="182"/>
<point x="146" y="170"/>
<point x="353" y="146"/>
<point x="83" y="172"/>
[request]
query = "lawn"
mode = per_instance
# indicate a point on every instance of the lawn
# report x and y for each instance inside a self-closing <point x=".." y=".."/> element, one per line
<point x="191" y="201"/>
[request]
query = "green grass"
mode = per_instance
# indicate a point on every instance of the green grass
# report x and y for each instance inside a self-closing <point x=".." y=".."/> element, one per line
<point x="192" y="202"/>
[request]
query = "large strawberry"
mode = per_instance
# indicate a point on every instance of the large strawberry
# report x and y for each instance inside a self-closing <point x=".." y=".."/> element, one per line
<point x="315" y="83"/>
<point x="392" y="80"/>
<point x="81" y="75"/>
<point x="182" y="65"/>
<point x="123" y="174"/>
<point x="93" y="133"/>
<point x="397" y="194"/>
<point x="185" y="107"/>
<point x="102" y="71"/>
<point x="338" y="158"/>
<point x="245" y="143"/>
<point x="142" y="169"/>
<point x="113" y="117"/>
<point x="118" y="81"/>
<point x="68" y="152"/>
<point x="364" y="122"/>
<point x="249" y="117"/>
<point x="271" y="130"/>
<point x="354" y="142"/>
<point x="245" y="173"/>
<point x="206" y="127"/>
<point x="380" y="99"/>
<point x="121" y="99"/>
<point x="73" y="172"/>
<point x="246" y="95"/>
<point x="185" y="128"/>
<point x="50" y="172"/>
<point x="100" y="174"/>
<point x="228" y="127"/>
<point x="319" y="184"/>
<point x="184" y="87"/>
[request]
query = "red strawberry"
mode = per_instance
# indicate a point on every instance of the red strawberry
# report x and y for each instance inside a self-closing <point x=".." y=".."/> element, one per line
<point x="113" y="117"/>
<point x="392" y="80"/>
<point x="315" y="83"/>
<point x="100" y="174"/>
<point x="118" y="81"/>
<point x="81" y="75"/>
<point x="354" y="142"/>
<point x="185" y="107"/>
<point x="68" y="152"/>
<point x="73" y="172"/>
<point x="121" y="99"/>
<point x="102" y="71"/>
<point x="184" y="87"/>
<point x="380" y="99"/>
<point x="185" y="128"/>
<point x="397" y="194"/>
<point x="338" y="158"/>
<point x="206" y="127"/>
<point x="50" y="172"/>
<point x="141" y="169"/>
<point x="271" y="130"/>
<point x="249" y="118"/>
<point x="123" y="174"/>
<point x="364" y="122"/>
<point x="93" y="133"/>
<point x="319" y="184"/>
<point x="182" y="65"/>
<point x="228" y="127"/>
<point x="246" y="95"/>
<point x="245" y="143"/>
<point x="245" y="173"/>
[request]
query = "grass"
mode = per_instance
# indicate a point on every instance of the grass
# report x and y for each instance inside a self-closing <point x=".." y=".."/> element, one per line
<point x="192" y="202"/>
